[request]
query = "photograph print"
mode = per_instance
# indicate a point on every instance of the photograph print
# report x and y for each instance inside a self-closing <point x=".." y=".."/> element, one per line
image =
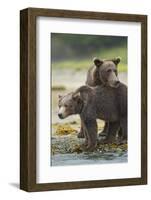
<point x="88" y="99"/>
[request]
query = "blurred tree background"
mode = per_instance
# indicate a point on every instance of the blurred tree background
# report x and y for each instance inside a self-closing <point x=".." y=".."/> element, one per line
<point x="77" y="51"/>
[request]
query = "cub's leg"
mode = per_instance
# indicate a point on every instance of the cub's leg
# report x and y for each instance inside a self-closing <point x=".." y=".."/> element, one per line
<point x="112" y="131"/>
<point x="114" y="128"/>
<point x="105" y="130"/>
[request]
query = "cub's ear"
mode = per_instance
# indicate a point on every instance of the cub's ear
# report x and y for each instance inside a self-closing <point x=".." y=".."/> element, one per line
<point x="59" y="96"/>
<point x="116" y="60"/>
<point x="76" y="95"/>
<point x="97" y="62"/>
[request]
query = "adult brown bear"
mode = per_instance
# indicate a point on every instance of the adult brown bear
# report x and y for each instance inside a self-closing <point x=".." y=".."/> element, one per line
<point x="103" y="72"/>
<point x="100" y="102"/>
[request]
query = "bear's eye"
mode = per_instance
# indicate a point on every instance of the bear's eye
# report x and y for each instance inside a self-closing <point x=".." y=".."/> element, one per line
<point x="109" y="70"/>
<point x="115" y="71"/>
<point x="65" y="105"/>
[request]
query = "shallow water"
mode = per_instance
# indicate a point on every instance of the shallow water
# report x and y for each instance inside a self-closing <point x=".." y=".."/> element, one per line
<point x="88" y="158"/>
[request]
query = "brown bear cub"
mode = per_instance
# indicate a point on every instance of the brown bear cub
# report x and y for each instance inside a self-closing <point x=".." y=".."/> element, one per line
<point x="100" y="102"/>
<point x="103" y="72"/>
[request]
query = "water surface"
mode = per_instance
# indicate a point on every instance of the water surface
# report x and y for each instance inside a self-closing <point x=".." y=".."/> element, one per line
<point x="88" y="158"/>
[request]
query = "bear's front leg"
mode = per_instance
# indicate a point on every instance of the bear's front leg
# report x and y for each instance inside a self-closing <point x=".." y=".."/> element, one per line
<point x="90" y="126"/>
<point x="81" y="132"/>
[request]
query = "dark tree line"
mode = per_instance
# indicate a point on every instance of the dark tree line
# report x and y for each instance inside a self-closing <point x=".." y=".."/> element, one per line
<point x="68" y="46"/>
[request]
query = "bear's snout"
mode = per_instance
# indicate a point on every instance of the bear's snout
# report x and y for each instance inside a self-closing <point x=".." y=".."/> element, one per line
<point x="60" y="115"/>
<point x="115" y="84"/>
<point x="62" y="112"/>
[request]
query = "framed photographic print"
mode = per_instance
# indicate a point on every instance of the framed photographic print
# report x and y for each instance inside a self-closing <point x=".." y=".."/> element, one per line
<point x="83" y="93"/>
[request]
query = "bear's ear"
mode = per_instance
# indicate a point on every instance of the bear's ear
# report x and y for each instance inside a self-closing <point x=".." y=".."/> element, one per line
<point x="59" y="96"/>
<point x="76" y="95"/>
<point x="97" y="62"/>
<point x="116" y="60"/>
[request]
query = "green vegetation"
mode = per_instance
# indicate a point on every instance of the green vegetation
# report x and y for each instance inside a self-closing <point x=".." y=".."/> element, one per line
<point x="58" y="87"/>
<point x="76" y="51"/>
<point x="86" y="63"/>
<point x="80" y="46"/>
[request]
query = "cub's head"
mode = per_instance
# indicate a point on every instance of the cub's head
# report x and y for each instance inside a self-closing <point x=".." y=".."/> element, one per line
<point x="69" y="104"/>
<point x="107" y="71"/>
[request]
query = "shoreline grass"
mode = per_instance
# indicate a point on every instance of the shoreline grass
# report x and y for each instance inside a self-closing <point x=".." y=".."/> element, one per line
<point x="83" y="64"/>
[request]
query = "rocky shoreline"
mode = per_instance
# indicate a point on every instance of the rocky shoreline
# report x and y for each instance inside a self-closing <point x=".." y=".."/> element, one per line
<point x="71" y="144"/>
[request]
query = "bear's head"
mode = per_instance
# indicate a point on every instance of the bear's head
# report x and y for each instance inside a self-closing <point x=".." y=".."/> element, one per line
<point x="69" y="104"/>
<point x="107" y="71"/>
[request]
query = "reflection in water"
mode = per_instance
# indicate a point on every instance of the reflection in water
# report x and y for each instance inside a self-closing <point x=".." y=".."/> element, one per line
<point x="88" y="158"/>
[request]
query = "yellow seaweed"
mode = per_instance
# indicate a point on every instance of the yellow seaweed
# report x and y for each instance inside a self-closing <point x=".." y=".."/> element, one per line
<point x="64" y="129"/>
